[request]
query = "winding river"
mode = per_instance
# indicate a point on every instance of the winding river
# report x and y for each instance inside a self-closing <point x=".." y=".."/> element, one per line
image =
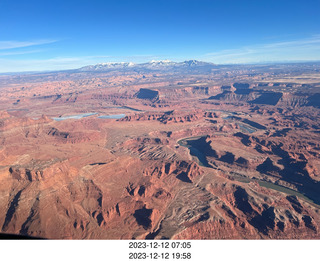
<point x="76" y="117"/>
<point x="194" y="145"/>
<point x="83" y="115"/>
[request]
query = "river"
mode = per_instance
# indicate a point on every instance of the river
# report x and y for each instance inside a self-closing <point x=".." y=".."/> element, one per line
<point x="83" y="115"/>
<point x="76" y="117"/>
<point x="189" y="143"/>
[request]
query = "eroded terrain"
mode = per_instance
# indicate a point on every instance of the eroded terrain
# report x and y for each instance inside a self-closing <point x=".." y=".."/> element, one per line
<point x="198" y="152"/>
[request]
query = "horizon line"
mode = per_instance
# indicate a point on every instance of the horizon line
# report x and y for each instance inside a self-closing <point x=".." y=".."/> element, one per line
<point x="209" y="62"/>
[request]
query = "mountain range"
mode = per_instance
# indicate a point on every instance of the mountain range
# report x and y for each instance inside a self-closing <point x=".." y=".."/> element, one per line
<point x="152" y="65"/>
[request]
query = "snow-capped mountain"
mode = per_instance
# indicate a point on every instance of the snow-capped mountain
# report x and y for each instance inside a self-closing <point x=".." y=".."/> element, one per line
<point x="192" y="63"/>
<point x="106" y="66"/>
<point x="161" y="62"/>
<point x="163" y="65"/>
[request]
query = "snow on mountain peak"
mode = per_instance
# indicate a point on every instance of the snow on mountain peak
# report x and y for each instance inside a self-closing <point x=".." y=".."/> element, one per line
<point x="160" y="61"/>
<point x="108" y="65"/>
<point x="153" y="65"/>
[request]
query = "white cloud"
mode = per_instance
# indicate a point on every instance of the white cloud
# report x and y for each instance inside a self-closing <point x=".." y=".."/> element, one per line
<point x="4" y="45"/>
<point x="20" y="52"/>
<point x="302" y="49"/>
<point x="11" y="65"/>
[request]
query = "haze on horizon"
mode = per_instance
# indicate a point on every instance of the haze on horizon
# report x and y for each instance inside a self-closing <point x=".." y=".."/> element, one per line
<point x="52" y="35"/>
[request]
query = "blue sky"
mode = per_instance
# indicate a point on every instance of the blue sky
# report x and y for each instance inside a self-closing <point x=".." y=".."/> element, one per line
<point x="62" y="34"/>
